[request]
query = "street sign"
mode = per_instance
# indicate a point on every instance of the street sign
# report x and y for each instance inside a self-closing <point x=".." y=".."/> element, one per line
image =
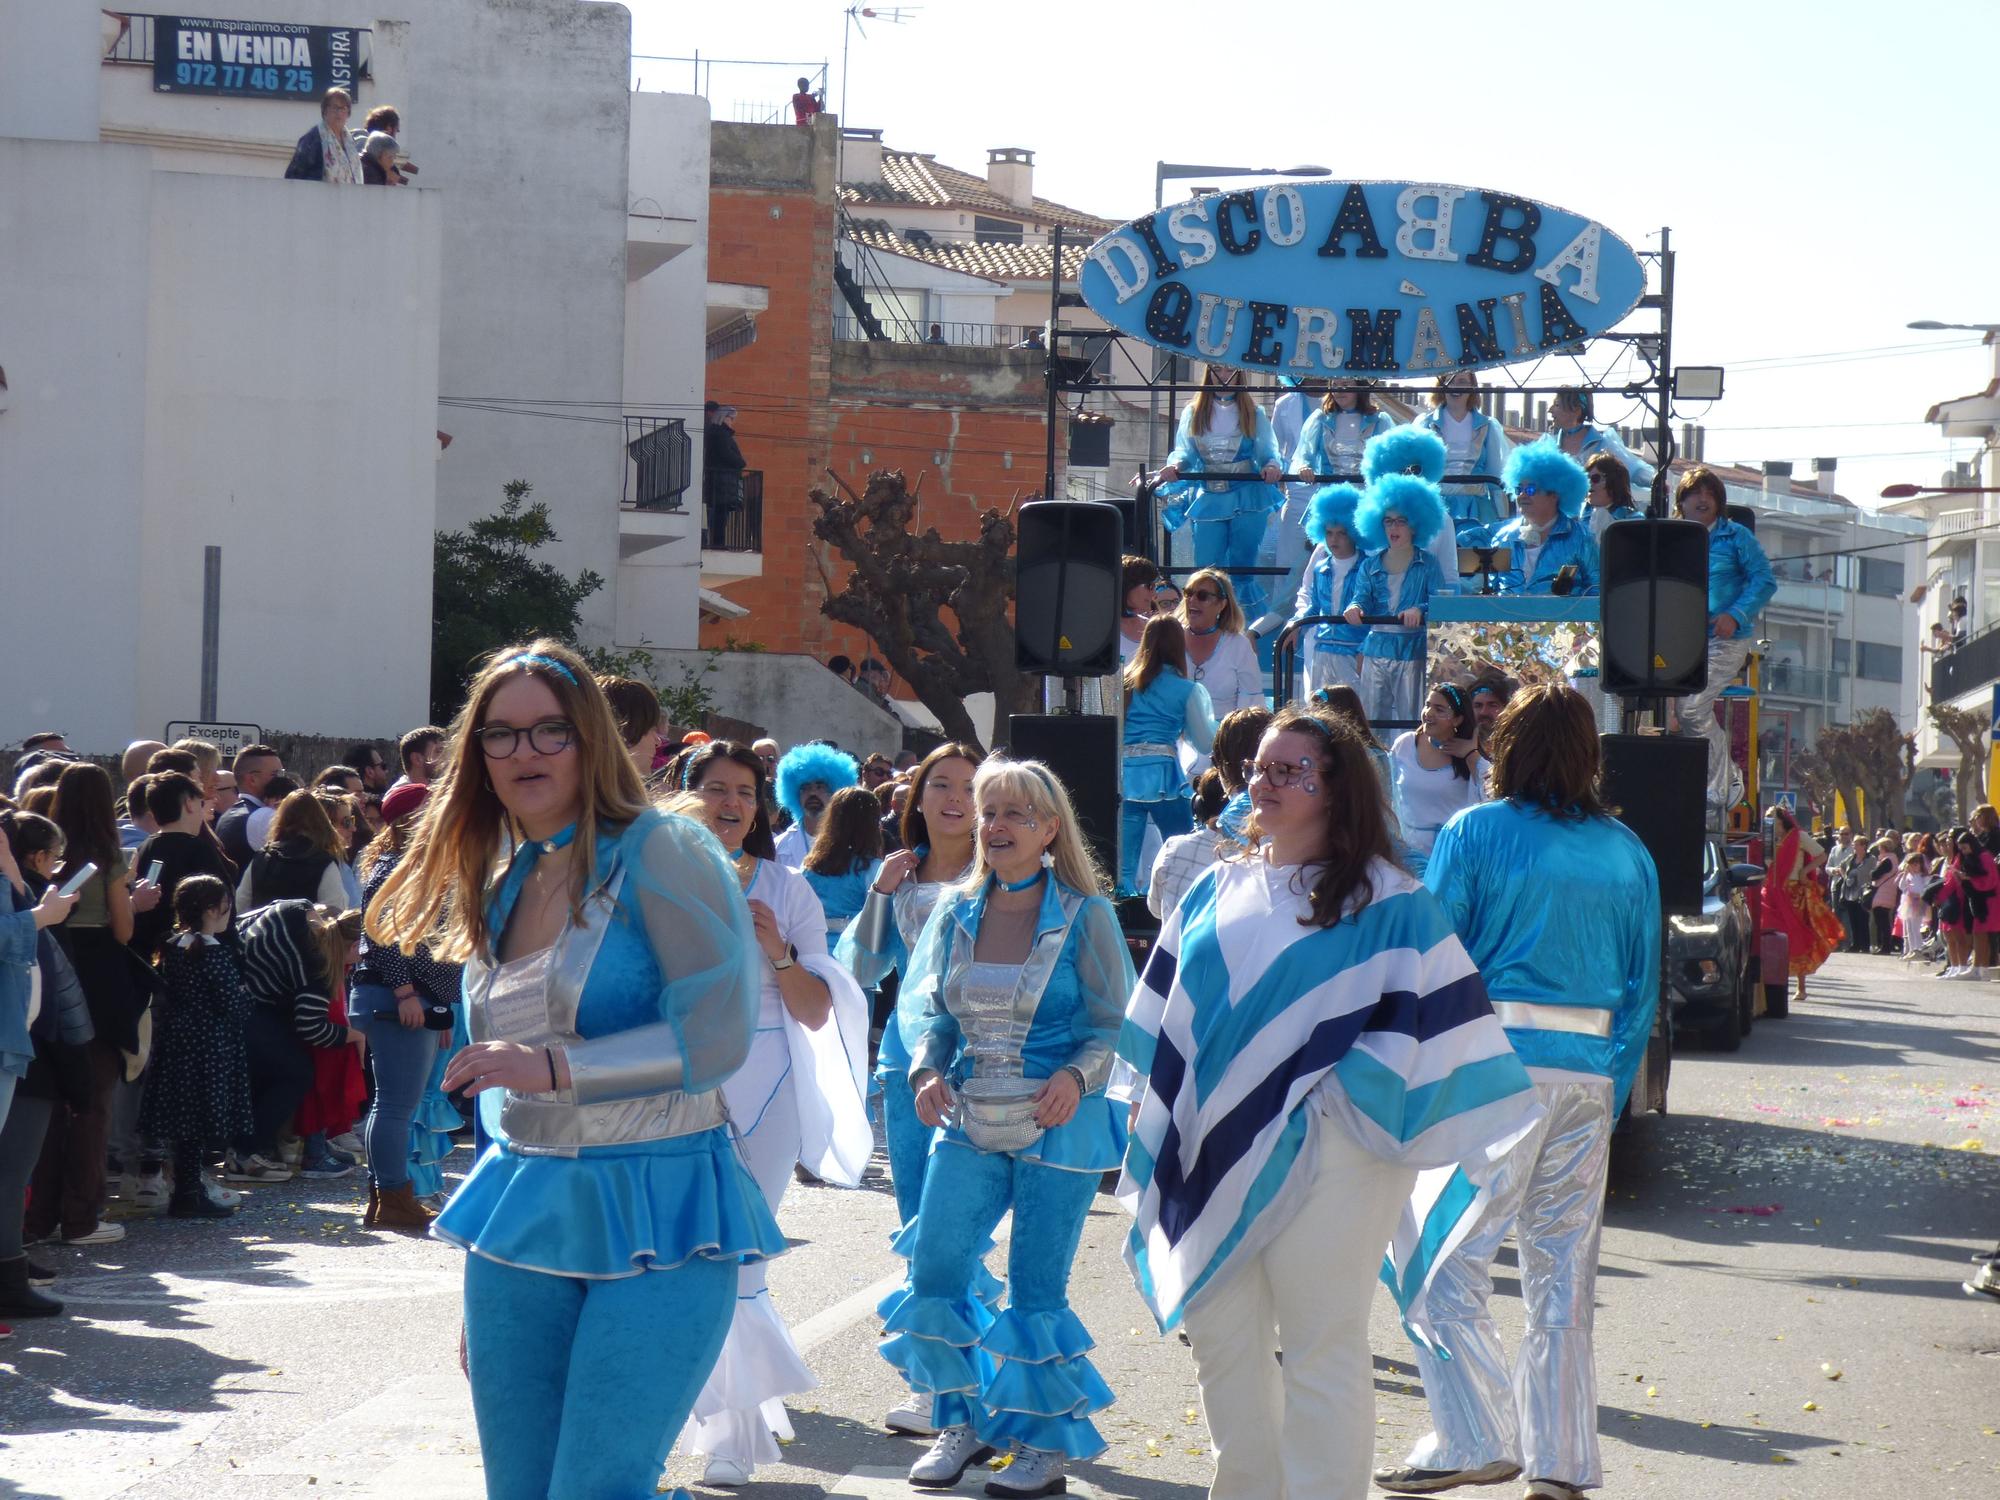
<point x="1789" y="801"/>
<point x="231" y="737"/>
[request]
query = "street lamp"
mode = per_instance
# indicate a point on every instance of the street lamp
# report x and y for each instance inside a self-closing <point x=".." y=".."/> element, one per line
<point x="1932" y="325"/>
<point x="1163" y="170"/>
<point x="1911" y="491"/>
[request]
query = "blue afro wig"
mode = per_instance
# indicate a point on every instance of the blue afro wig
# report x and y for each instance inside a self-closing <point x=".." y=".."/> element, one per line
<point x="1404" y="450"/>
<point x="1332" y="506"/>
<point x="1415" y="500"/>
<point x="1543" y="464"/>
<point x="805" y="764"/>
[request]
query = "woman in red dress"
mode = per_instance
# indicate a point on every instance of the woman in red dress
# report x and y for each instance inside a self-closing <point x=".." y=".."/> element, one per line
<point x="1793" y="901"/>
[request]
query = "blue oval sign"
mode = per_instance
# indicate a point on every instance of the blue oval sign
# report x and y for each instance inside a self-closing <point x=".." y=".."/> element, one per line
<point x="1362" y="278"/>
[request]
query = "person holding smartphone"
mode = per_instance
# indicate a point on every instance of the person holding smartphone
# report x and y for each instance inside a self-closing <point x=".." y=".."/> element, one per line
<point x="1553" y="550"/>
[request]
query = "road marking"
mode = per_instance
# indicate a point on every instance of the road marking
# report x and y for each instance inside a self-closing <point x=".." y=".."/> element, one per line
<point x="843" y="1315"/>
<point x="235" y="1286"/>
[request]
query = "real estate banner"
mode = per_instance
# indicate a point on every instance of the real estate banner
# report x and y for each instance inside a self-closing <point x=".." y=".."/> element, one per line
<point x="253" y="59"/>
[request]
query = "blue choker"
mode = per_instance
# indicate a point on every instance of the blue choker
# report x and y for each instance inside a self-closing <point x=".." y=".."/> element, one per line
<point x="560" y="841"/>
<point x="1009" y="885"/>
<point x="1210" y="631"/>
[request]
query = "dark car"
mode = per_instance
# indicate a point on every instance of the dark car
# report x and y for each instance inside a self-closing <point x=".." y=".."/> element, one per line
<point x="1712" y="959"/>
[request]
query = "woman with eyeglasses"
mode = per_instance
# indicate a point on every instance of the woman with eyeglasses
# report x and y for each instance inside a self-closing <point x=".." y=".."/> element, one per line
<point x="1582" y="439"/>
<point x="1163" y="710"/>
<point x="1396" y="521"/>
<point x="1610" y="497"/>
<point x="1342" y="1041"/>
<point x="1437" y="770"/>
<point x="798" y="1100"/>
<point x="1221" y="656"/>
<point x="1474" y="444"/>
<point x="1011" y="1009"/>
<point x="1139" y="580"/>
<point x="611" y="979"/>
<point x="937" y="836"/>
<point x="1223" y="476"/>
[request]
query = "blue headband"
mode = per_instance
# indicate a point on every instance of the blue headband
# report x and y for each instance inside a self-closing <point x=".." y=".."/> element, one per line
<point x="533" y="659"/>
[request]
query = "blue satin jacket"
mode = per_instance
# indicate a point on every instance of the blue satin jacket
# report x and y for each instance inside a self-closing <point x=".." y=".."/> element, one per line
<point x="1370" y="588"/>
<point x="1739" y="575"/>
<point x="1563" y="919"/>
<point x="1476" y="504"/>
<point x="1194" y="497"/>
<point x="1569" y="541"/>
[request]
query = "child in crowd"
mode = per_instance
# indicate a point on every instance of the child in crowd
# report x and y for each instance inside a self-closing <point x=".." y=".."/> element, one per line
<point x="198" y="1093"/>
<point x="1911" y="913"/>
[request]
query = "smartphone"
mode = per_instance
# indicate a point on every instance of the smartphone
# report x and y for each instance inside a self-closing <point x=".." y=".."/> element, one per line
<point x="154" y="871"/>
<point x="79" y="880"/>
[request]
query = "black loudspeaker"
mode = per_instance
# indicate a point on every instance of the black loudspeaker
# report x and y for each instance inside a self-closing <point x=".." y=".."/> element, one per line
<point x="1089" y="443"/>
<point x="1083" y="750"/>
<point x="1658" y="784"/>
<point x="1066" y="576"/>
<point x="1653" y="608"/>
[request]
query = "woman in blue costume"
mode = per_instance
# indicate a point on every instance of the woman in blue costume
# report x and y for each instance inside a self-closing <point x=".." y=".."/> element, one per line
<point x="1421" y="454"/>
<point x="842" y="863"/>
<point x="1309" y="1033"/>
<point x="1474" y="444"/>
<point x="937" y="852"/>
<point x="1582" y="439"/>
<point x="1551" y="549"/>
<point x="1222" y="475"/>
<point x="611" y="982"/>
<point x="1559" y="905"/>
<point x="1011" y="1009"/>
<point x="1332" y="653"/>
<point x="1396" y="520"/>
<point x="1610" y="498"/>
<point x="1162" y="708"/>
<point x="1330" y="443"/>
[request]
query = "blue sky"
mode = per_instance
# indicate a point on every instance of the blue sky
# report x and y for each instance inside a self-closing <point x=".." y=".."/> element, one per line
<point x="1827" y="173"/>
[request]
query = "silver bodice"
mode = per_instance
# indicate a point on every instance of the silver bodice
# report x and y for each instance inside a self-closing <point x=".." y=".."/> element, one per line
<point x="915" y="900"/>
<point x="984" y="1001"/>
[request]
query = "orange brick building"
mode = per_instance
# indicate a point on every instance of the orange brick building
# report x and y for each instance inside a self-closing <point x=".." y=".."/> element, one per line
<point x="966" y="423"/>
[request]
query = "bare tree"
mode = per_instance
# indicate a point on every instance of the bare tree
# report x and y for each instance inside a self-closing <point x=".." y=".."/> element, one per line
<point x="941" y="613"/>
<point x="1966" y="728"/>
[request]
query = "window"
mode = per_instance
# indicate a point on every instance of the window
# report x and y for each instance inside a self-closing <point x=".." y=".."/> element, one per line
<point x="1841" y="646"/>
<point x="987" y="231"/>
<point x="1878" y="662"/>
<point x="1881" y="575"/>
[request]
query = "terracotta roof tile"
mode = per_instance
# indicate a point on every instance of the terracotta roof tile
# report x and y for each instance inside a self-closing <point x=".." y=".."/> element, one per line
<point x="921" y="180"/>
<point x="1029" y="262"/>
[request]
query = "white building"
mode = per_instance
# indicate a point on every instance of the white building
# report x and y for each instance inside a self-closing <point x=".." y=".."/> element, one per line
<point x="203" y="354"/>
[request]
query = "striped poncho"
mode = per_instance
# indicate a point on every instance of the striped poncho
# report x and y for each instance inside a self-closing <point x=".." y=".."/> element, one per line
<point x="1251" y="1033"/>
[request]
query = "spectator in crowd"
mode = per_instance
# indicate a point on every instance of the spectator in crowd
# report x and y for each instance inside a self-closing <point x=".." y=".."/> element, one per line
<point x="806" y="104"/>
<point x="33" y="1078"/>
<point x="636" y="707"/>
<point x="892" y="815"/>
<point x="842" y="862"/>
<point x="253" y="769"/>
<point x="299" y="860"/>
<point x="42" y="773"/>
<point x="380" y="166"/>
<point x="404" y="1002"/>
<point x="47" y="742"/>
<point x="198" y="1082"/>
<point x="1139" y="582"/>
<point x="137" y="825"/>
<point x="936" y="335"/>
<point x="766" y="751"/>
<point x="873" y="679"/>
<point x="421" y="752"/>
<point x="1489" y="697"/>
<point x="842" y="667"/>
<point x="327" y="153"/>
<point x="181" y="847"/>
<point x="722" y="465"/>
<point x="207" y="761"/>
<point x="292" y="957"/>
<point x="344" y="813"/>
<point x="257" y="830"/>
<point x="808" y="777"/>
<point x="876" y="771"/>
<point x="1184" y="857"/>
<point x="907" y="761"/>
<point x="133" y="761"/>
<point x="225" y="795"/>
<point x="365" y="756"/>
<point x="344" y="780"/>
<point x="1955" y="620"/>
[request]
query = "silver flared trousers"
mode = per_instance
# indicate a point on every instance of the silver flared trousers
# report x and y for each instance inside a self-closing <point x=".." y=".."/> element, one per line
<point x="1544" y="1415"/>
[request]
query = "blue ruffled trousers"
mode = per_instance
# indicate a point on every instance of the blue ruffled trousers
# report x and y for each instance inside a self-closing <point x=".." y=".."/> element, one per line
<point x="579" y="1384"/>
<point x="1231" y="544"/>
<point x="1023" y="1376"/>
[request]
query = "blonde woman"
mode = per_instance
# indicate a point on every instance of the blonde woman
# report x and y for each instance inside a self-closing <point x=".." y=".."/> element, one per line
<point x="611" y="982"/>
<point x="1011" y="1008"/>
<point x="1221" y="655"/>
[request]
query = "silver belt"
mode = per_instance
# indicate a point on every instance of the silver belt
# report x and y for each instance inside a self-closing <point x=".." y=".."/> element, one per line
<point x="543" y="1125"/>
<point x="1528" y="1015"/>
<point x="1138" y="752"/>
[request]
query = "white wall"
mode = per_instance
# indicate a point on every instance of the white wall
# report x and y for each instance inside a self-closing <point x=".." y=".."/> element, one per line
<point x="49" y="51"/>
<point x="793" y="698"/>
<point x="666" y="354"/>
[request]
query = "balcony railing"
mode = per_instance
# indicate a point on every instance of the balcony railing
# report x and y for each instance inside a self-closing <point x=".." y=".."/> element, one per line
<point x="959" y="335"/>
<point x="662" y="456"/>
<point x="740" y="529"/>
<point x="1809" y="684"/>
<point x="1972" y="666"/>
<point x="1826" y="598"/>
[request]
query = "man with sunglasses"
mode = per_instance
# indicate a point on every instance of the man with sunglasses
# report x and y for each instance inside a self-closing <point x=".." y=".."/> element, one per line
<point x="1552" y="551"/>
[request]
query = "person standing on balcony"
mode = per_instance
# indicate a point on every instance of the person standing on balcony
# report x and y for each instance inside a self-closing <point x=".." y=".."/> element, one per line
<point x="722" y="470"/>
<point x="1739" y="586"/>
<point x="327" y="153"/>
<point x="806" y="104"/>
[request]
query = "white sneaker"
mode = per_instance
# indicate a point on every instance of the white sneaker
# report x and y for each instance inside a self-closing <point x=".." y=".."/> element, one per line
<point x="1034" y="1472"/>
<point x="151" y="1191"/>
<point x="217" y="1193"/>
<point x="727" y="1472"/>
<point x="956" y="1450"/>
<point x="347" y="1142"/>
<point x="255" y="1168"/>
<point x="119" y="1185"/>
<point x="101" y="1233"/>
<point x="913" y="1416"/>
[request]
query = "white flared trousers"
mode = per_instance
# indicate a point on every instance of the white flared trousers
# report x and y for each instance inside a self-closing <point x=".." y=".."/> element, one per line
<point x="1542" y="1415"/>
<point x="1304" y="1429"/>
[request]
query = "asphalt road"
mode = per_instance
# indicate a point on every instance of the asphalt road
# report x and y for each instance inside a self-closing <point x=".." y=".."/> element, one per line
<point x="1779" y="1310"/>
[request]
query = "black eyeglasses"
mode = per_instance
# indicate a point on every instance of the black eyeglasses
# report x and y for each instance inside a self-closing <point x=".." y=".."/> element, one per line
<point x="1202" y="596"/>
<point x="549" y="737"/>
<point x="1280" y="773"/>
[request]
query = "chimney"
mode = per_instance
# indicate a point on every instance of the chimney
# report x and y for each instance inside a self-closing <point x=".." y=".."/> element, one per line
<point x="860" y="155"/>
<point x="1010" y="172"/>
<point x="1823" y="474"/>
<point x="1777" y="476"/>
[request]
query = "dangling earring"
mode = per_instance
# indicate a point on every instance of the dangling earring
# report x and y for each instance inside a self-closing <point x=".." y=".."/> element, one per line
<point x="1048" y="860"/>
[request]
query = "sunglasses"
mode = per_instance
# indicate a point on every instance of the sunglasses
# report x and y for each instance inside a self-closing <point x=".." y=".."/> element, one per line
<point x="1203" y="596"/>
<point x="1596" y="480"/>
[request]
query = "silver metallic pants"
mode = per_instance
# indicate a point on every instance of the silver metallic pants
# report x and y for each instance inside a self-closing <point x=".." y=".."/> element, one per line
<point x="1392" y="691"/>
<point x="1544" y="1417"/>
<point x="1697" y="712"/>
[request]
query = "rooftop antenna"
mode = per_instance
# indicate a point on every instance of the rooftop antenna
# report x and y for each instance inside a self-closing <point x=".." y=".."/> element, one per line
<point x="851" y="19"/>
